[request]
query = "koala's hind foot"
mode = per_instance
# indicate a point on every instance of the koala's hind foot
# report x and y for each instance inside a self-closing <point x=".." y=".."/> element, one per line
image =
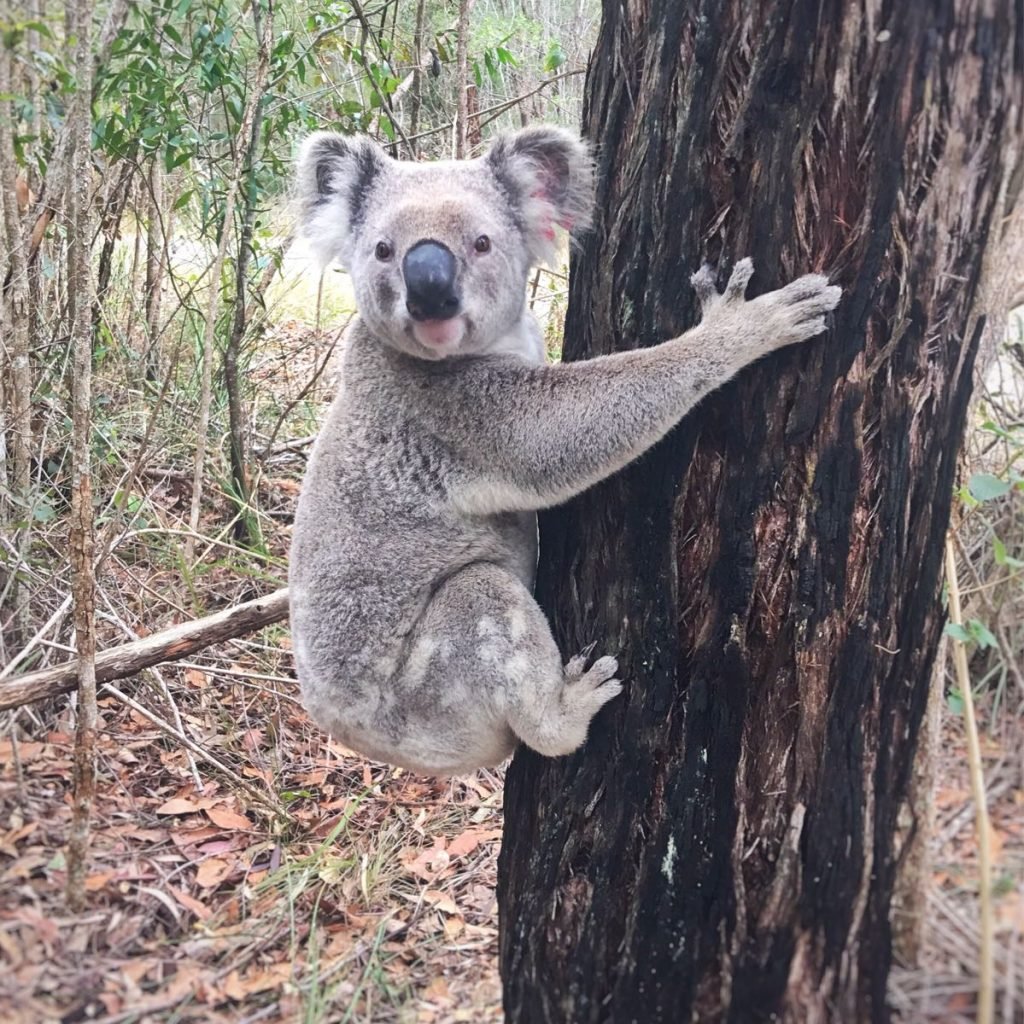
<point x="562" y="726"/>
<point x="483" y="670"/>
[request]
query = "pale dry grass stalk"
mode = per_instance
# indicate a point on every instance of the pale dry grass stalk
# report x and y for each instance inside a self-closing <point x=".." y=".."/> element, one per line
<point x="986" y="965"/>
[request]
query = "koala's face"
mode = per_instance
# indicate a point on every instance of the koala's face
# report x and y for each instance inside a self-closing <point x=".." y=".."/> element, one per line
<point x="439" y="253"/>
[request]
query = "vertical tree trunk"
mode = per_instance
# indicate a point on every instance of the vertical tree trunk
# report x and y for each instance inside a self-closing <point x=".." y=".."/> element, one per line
<point x="417" y="80"/>
<point x="462" y="66"/>
<point x="725" y="846"/>
<point x="156" y="246"/>
<point x="249" y="114"/>
<point x="15" y="352"/>
<point x="232" y="353"/>
<point x="83" y="583"/>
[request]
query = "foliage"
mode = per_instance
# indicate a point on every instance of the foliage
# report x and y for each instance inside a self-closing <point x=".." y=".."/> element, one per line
<point x="329" y="908"/>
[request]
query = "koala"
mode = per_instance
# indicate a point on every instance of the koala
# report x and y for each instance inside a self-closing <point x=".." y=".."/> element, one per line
<point x="417" y="639"/>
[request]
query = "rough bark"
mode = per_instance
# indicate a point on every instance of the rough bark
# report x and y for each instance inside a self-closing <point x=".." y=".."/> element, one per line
<point x="156" y="247"/>
<point x="725" y="847"/>
<point x="82" y="530"/>
<point x="111" y="212"/>
<point x="171" y="644"/>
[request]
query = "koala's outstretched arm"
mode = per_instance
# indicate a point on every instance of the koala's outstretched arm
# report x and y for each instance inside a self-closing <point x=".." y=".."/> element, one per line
<point x="540" y="434"/>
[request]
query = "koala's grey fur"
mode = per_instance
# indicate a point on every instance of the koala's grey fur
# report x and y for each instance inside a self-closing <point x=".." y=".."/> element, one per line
<point x="416" y="636"/>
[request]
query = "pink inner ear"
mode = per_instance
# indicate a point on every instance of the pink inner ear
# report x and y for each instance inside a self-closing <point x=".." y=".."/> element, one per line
<point x="549" y="228"/>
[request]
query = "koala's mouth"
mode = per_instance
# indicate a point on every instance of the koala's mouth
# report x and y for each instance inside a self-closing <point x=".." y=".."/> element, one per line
<point x="440" y="336"/>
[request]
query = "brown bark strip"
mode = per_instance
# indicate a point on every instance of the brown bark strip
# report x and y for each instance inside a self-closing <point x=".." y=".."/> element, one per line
<point x="169" y="644"/>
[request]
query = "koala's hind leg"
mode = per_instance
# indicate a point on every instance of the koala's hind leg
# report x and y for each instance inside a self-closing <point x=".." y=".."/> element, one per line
<point x="484" y="669"/>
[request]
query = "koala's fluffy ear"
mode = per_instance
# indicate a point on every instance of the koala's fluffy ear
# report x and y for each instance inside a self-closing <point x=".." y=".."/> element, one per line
<point x="336" y="175"/>
<point x="548" y="175"/>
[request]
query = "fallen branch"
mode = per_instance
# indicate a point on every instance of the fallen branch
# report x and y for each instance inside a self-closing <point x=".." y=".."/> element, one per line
<point x="168" y="645"/>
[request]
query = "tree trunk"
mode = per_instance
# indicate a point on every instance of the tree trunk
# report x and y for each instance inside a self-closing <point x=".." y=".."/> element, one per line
<point x="249" y="114"/>
<point x="417" y="79"/>
<point x="157" y="244"/>
<point x="246" y="526"/>
<point x="82" y="529"/>
<point x="725" y="846"/>
<point x="15" y="363"/>
<point x="462" y="70"/>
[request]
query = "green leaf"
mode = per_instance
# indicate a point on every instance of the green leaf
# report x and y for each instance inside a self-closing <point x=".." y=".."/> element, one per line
<point x="183" y="199"/>
<point x="986" y="487"/>
<point x="556" y="56"/>
<point x="967" y="498"/>
<point x="43" y="512"/>
<point x="999" y="550"/>
<point x="957" y="632"/>
<point x="492" y="69"/>
<point x="955" y="702"/>
<point x="981" y="633"/>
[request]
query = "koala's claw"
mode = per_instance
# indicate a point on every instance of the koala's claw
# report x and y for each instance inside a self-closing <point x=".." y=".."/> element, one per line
<point x="576" y="668"/>
<point x="739" y="279"/>
<point x="595" y="686"/>
<point x="703" y="281"/>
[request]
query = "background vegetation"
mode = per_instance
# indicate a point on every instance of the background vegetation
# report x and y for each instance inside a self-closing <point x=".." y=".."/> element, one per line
<point x="242" y="866"/>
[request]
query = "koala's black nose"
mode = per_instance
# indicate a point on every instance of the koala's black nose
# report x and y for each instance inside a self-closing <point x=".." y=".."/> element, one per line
<point x="429" y="271"/>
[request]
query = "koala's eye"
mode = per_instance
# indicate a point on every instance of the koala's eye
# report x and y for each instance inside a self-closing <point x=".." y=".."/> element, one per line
<point x="384" y="252"/>
<point x="482" y="244"/>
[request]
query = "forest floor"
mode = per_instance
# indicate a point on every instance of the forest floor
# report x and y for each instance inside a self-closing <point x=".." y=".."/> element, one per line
<point x="296" y="881"/>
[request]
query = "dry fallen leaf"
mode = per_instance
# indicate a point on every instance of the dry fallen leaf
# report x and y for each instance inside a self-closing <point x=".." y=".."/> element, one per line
<point x="470" y="840"/>
<point x="224" y="817"/>
<point x="441" y="900"/>
<point x="190" y="903"/>
<point x="437" y="990"/>
<point x="178" y="805"/>
<point x="238" y="988"/>
<point x="213" y="871"/>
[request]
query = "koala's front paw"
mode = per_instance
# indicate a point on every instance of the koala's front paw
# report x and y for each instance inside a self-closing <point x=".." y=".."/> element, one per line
<point x="784" y="317"/>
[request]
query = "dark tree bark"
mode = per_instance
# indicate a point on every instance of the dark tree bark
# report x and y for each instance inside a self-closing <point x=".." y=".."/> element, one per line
<point x="725" y="846"/>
